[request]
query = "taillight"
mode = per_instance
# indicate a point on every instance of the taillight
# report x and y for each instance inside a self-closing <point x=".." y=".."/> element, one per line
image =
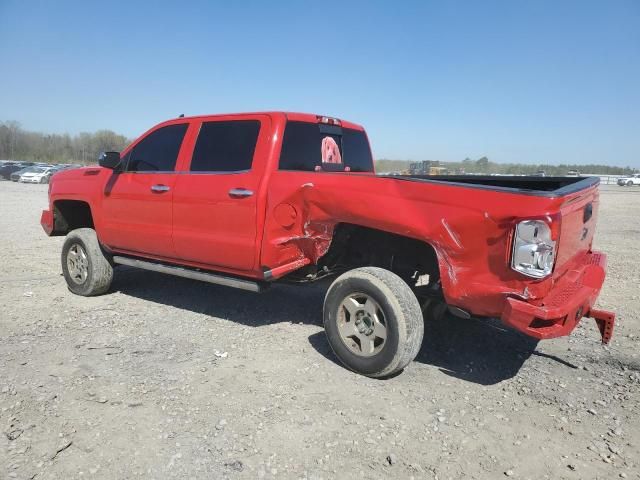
<point x="534" y="250"/>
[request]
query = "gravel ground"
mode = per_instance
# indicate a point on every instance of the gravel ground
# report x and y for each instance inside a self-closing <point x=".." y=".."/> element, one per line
<point x="170" y="378"/>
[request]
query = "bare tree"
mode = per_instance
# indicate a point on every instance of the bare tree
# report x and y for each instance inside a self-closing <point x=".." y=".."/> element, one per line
<point x="19" y="144"/>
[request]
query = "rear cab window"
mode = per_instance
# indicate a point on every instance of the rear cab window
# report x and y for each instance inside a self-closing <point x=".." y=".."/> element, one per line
<point x="318" y="147"/>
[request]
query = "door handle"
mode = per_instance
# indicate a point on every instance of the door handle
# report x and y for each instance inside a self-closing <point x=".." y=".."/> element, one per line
<point x="160" y="188"/>
<point x="240" y="193"/>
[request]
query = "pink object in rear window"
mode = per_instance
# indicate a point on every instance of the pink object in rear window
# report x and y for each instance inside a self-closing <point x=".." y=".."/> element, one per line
<point x="330" y="151"/>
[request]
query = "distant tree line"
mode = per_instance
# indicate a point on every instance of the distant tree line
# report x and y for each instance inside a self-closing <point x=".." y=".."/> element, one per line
<point x="83" y="148"/>
<point x="17" y="143"/>
<point x="484" y="165"/>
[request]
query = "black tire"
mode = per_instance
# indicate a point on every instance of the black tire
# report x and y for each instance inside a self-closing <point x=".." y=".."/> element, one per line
<point x="629" y="183"/>
<point x="96" y="273"/>
<point x="400" y="309"/>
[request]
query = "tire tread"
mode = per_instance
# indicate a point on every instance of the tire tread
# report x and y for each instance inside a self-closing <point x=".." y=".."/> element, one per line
<point x="101" y="271"/>
<point x="408" y="313"/>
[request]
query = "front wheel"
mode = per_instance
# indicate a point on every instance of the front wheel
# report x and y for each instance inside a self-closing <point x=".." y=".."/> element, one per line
<point x="629" y="183"/>
<point x="84" y="265"/>
<point x="373" y="321"/>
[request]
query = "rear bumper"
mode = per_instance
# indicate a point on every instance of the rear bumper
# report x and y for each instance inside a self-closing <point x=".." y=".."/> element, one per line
<point x="571" y="298"/>
<point x="46" y="220"/>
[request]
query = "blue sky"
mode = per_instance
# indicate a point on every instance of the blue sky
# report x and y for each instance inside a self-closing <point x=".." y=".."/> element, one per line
<point x="539" y="81"/>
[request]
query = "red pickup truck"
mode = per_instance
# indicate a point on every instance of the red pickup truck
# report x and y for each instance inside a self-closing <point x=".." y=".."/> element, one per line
<point x="249" y="199"/>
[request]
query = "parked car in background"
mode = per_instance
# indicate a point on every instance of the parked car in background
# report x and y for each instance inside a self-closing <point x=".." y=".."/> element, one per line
<point x="37" y="175"/>
<point x="630" y="180"/>
<point x="15" y="176"/>
<point x="65" y="166"/>
<point x="573" y="173"/>
<point x="8" y="169"/>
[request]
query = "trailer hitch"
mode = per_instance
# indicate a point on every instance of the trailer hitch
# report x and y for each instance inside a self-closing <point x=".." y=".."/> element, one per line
<point x="605" y="321"/>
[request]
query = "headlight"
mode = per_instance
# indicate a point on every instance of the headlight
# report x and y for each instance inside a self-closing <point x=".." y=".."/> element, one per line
<point x="533" y="249"/>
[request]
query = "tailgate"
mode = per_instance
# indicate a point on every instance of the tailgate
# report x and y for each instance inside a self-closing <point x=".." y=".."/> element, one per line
<point x="579" y="214"/>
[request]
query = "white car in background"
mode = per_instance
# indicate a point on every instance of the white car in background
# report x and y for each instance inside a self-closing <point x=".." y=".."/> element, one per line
<point x="37" y="175"/>
<point x="630" y="180"/>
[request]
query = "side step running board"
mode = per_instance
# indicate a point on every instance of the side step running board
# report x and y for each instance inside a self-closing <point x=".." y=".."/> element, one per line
<point x="192" y="274"/>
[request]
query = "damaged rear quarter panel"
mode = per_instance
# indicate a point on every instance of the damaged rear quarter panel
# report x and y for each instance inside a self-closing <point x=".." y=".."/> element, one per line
<point x="469" y="228"/>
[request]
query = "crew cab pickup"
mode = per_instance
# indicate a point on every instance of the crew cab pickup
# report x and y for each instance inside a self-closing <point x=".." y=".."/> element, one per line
<point x="246" y="200"/>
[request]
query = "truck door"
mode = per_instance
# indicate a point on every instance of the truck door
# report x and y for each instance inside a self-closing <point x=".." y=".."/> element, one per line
<point x="136" y="202"/>
<point x="215" y="201"/>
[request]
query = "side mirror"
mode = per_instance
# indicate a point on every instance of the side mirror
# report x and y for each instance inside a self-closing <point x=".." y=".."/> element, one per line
<point x="109" y="160"/>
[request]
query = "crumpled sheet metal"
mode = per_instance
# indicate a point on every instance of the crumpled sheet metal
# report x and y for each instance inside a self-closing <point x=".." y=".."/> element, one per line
<point x="469" y="230"/>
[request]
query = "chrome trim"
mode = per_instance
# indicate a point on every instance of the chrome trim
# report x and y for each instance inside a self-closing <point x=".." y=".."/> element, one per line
<point x="240" y="193"/>
<point x="191" y="274"/>
<point x="160" y="188"/>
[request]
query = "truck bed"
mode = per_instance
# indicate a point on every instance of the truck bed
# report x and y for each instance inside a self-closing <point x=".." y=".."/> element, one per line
<point x="541" y="186"/>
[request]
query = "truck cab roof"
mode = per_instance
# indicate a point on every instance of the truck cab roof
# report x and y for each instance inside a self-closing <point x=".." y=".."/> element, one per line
<point x="289" y="116"/>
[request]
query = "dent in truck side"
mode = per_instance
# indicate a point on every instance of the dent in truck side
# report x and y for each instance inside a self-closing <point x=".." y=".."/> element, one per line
<point x="469" y="233"/>
<point x="471" y="236"/>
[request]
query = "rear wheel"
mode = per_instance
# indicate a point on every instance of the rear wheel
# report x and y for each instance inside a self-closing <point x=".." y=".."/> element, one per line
<point x="84" y="265"/>
<point x="373" y="321"/>
<point x="629" y="183"/>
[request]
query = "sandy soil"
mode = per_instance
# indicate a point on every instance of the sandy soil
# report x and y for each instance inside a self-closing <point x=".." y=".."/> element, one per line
<point x="170" y="378"/>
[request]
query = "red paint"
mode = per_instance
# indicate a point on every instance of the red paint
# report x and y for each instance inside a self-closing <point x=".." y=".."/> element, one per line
<point x="288" y="222"/>
<point x="285" y="214"/>
<point x="571" y="298"/>
<point x="46" y="220"/>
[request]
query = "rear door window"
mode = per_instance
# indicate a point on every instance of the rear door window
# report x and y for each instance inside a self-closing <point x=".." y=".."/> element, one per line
<point x="158" y="151"/>
<point x="225" y="146"/>
<point x="320" y="147"/>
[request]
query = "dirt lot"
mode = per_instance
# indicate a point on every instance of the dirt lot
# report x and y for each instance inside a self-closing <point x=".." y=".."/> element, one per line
<point x="170" y="378"/>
